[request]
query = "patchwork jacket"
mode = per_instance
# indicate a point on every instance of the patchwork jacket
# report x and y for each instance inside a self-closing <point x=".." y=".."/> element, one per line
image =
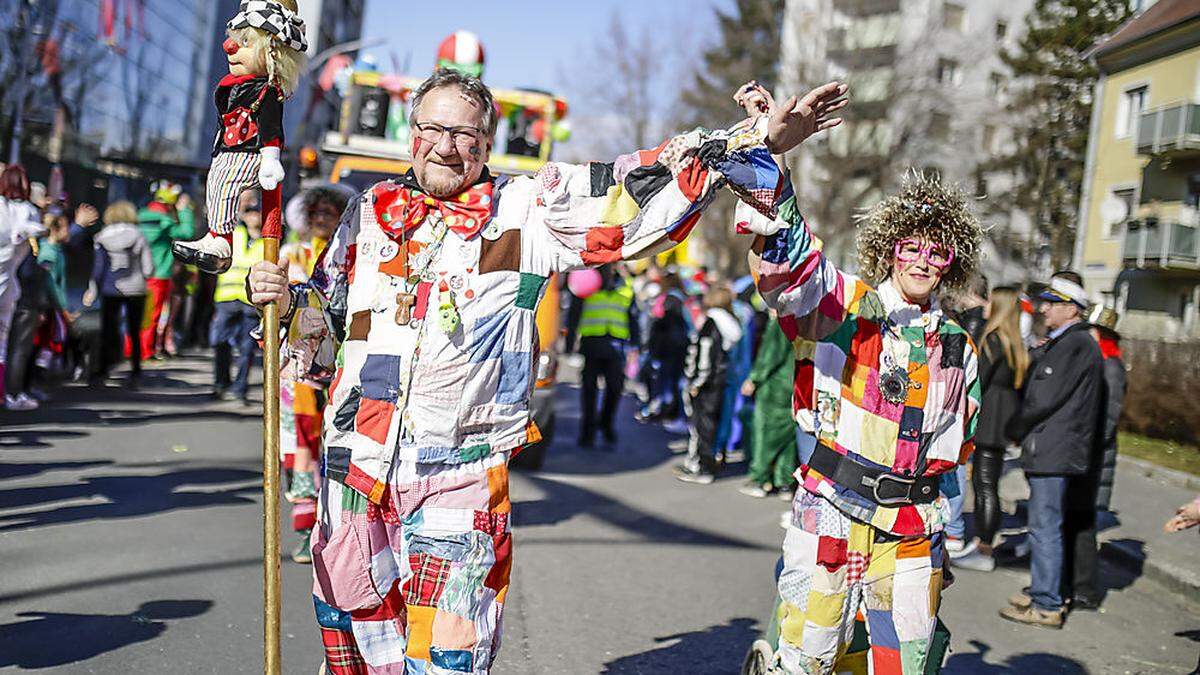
<point x="414" y="393"/>
<point x="846" y="335"/>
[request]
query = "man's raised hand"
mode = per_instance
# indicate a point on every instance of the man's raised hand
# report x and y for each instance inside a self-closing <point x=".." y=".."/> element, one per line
<point x="797" y="119"/>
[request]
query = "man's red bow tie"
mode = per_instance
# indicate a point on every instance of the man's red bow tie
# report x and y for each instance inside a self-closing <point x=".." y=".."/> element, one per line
<point x="400" y="209"/>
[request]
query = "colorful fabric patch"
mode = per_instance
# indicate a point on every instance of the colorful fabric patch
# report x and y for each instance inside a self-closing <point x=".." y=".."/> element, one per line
<point x="428" y="581"/>
<point x="343" y="419"/>
<point x="453" y="632"/>
<point x="341" y="653"/>
<point x="491" y="523"/>
<point x="502" y="254"/>
<point x="473" y="453"/>
<point x="421" y="306"/>
<point x="645" y="181"/>
<point x="603" y="245"/>
<point x="515" y="378"/>
<point x="374" y="418"/>
<point x="360" y="326"/>
<point x="618" y="207"/>
<point x="380" y="377"/>
<point x="831" y="553"/>
<point x="329" y="616"/>
<point x="529" y="290"/>
<point x="457" y="660"/>
<point x="601" y="175"/>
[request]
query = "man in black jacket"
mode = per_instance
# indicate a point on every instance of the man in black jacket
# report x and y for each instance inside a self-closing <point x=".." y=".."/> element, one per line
<point x="1057" y="427"/>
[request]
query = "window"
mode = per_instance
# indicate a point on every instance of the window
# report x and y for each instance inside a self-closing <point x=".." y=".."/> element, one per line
<point x="948" y="72"/>
<point x="1001" y="29"/>
<point x="939" y="126"/>
<point x="988" y="141"/>
<point x="954" y="17"/>
<point x="996" y="84"/>
<point x="1130" y="110"/>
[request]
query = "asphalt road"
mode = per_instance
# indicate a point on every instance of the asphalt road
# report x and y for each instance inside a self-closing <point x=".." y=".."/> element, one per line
<point x="130" y="543"/>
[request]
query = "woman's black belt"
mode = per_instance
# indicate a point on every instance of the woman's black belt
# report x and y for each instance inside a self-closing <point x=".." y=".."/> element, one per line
<point x="878" y="485"/>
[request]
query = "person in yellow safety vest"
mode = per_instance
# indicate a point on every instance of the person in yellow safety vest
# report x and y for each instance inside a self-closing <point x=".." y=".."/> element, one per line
<point x="606" y="324"/>
<point x="234" y="317"/>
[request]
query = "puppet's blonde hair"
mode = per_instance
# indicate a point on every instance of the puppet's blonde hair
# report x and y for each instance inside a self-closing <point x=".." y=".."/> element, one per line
<point x="282" y="63"/>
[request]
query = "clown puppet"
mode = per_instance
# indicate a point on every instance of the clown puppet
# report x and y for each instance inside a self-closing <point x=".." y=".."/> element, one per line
<point x="265" y="49"/>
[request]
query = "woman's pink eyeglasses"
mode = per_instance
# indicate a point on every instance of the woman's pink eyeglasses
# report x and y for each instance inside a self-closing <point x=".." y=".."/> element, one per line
<point x="937" y="255"/>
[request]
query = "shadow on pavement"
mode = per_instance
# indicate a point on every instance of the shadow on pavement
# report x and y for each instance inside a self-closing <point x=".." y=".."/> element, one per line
<point x="26" y="469"/>
<point x="639" y="445"/>
<point x="52" y="639"/>
<point x="976" y="664"/>
<point x="94" y="582"/>
<point x="717" y="650"/>
<point x="1117" y="577"/>
<point x="33" y="438"/>
<point x="564" y="501"/>
<point x="125" y="496"/>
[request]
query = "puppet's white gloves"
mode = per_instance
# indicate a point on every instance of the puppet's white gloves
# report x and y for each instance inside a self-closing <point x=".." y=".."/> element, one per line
<point x="270" y="173"/>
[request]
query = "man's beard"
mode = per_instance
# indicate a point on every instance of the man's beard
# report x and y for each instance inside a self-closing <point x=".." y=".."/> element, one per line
<point x="443" y="183"/>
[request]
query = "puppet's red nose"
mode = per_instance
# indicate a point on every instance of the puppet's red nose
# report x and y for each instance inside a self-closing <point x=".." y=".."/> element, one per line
<point x="231" y="46"/>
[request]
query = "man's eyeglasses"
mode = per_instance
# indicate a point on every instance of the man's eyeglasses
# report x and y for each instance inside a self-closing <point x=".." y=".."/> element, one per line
<point x="464" y="136"/>
<point x="937" y="255"/>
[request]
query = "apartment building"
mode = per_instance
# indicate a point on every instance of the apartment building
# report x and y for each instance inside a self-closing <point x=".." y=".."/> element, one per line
<point x="929" y="94"/>
<point x="1137" y="243"/>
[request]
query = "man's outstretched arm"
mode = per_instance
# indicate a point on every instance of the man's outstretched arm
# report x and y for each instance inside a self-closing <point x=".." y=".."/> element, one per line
<point x="646" y="202"/>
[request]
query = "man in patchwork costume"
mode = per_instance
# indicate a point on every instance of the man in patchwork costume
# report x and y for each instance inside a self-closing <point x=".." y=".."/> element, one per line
<point x="421" y="312"/>
<point x="894" y="405"/>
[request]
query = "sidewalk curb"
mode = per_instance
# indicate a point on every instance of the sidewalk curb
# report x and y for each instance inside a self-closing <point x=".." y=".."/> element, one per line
<point x="1151" y="470"/>
<point x="1176" y="578"/>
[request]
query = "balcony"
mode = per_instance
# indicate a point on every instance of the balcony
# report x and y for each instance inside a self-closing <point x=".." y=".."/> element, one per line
<point x="1173" y="130"/>
<point x="1163" y="237"/>
<point x="866" y="7"/>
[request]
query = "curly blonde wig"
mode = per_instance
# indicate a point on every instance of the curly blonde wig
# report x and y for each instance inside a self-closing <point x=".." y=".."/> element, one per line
<point x="924" y="208"/>
<point x="281" y="63"/>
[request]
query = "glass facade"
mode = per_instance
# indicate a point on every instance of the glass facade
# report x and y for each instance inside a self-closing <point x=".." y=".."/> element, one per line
<point x="120" y="91"/>
<point x="133" y="84"/>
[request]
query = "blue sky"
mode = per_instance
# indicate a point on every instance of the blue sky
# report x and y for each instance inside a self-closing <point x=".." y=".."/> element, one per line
<point x="526" y="42"/>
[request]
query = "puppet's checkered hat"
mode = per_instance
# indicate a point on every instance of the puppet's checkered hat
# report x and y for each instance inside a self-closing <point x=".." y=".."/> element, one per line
<point x="274" y="18"/>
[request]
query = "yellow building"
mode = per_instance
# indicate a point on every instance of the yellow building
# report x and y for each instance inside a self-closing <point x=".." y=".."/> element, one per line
<point x="1138" y="241"/>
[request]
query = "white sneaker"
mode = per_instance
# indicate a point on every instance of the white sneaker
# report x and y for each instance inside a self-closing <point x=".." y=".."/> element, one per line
<point x="752" y="489"/>
<point x="20" y="402"/>
<point x="677" y="446"/>
<point x="975" y="561"/>
<point x="676" y="426"/>
<point x="211" y="254"/>
<point x="957" y="548"/>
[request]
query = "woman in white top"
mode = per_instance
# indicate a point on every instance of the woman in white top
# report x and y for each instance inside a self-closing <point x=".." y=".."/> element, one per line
<point x="19" y="222"/>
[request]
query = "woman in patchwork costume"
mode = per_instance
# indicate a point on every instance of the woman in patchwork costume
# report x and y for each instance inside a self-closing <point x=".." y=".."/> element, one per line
<point x="423" y="311"/>
<point x="265" y="50"/>
<point x="895" y="405"/>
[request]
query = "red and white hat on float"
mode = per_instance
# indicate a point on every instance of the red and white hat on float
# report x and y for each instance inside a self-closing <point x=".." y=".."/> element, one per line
<point x="462" y="51"/>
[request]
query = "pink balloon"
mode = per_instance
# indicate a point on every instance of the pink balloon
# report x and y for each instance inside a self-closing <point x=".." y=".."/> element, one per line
<point x="584" y="282"/>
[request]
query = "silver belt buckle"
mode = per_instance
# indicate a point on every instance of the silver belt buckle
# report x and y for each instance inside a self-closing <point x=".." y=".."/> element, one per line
<point x="874" y="484"/>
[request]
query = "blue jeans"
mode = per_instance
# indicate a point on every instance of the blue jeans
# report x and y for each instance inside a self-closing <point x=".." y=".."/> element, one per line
<point x="1046" y="497"/>
<point x="231" y="326"/>
<point x="954" y="487"/>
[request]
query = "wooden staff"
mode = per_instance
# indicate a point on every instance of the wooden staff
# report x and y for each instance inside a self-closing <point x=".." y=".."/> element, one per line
<point x="271" y="232"/>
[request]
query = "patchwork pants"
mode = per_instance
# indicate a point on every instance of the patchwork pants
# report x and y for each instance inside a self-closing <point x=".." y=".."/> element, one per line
<point x="835" y="567"/>
<point x="417" y="584"/>
<point x="230" y="174"/>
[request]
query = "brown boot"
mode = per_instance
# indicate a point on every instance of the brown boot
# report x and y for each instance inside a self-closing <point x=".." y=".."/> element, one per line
<point x="1032" y="616"/>
<point x="1021" y="600"/>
